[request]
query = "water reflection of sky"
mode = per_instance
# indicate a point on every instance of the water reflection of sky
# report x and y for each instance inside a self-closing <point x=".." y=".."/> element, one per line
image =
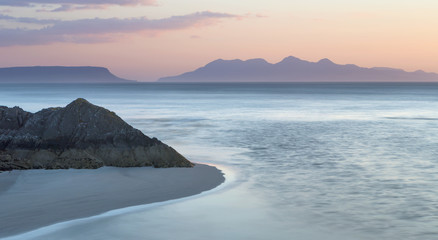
<point x="311" y="162"/>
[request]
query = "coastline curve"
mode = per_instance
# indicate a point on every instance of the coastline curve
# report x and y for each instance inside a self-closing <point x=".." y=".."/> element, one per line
<point x="154" y="187"/>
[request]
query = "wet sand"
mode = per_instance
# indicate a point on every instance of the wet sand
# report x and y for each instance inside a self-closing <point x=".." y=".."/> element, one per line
<point x="33" y="199"/>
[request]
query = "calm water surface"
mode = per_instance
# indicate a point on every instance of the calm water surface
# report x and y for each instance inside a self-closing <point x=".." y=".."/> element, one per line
<point x="310" y="161"/>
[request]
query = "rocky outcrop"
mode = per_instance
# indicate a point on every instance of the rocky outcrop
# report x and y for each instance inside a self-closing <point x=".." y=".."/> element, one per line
<point x="80" y="135"/>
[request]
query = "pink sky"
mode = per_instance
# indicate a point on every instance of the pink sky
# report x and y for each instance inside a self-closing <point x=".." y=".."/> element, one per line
<point x="145" y="40"/>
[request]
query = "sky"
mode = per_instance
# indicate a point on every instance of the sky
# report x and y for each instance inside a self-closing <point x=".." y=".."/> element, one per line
<point x="147" y="39"/>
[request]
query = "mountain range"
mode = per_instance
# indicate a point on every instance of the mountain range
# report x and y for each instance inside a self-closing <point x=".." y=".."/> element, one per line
<point x="58" y="74"/>
<point x="292" y="69"/>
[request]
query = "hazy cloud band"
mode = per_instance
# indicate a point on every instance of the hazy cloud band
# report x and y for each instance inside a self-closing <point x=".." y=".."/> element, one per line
<point x="97" y="29"/>
<point x="75" y="2"/>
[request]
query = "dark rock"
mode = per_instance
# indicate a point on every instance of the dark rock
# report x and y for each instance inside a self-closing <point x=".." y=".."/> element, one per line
<point x="13" y="118"/>
<point x="80" y="135"/>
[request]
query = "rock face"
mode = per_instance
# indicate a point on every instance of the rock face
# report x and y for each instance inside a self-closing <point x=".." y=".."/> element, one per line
<point x="80" y="135"/>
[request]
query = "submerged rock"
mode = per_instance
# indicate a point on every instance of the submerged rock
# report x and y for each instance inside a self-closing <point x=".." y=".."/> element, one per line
<point x="80" y="135"/>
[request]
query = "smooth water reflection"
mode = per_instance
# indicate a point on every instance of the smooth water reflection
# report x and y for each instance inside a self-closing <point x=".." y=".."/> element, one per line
<point x="328" y="161"/>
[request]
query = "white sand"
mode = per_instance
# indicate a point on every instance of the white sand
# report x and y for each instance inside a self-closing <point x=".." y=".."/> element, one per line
<point x="36" y="198"/>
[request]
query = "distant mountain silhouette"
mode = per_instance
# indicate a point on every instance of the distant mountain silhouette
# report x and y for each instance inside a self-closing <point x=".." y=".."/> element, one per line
<point x="292" y="69"/>
<point x="58" y="74"/>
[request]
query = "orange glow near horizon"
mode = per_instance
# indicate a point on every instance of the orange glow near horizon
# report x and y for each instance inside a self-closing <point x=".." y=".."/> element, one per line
<point x="368" y="34"/>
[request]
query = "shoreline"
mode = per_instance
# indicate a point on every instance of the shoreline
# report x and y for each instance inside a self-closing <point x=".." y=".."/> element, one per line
<point x="35" y="199"/>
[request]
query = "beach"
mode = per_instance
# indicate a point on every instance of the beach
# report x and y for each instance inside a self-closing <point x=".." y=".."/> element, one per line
<point x="31" y="199"/>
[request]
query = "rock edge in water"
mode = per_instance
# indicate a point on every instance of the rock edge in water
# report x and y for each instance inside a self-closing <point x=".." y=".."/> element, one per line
<point x="80" y="135"/>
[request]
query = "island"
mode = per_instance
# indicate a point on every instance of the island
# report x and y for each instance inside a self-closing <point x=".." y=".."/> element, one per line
<point x="292" y="69"/>
<point x="59" y="74"/>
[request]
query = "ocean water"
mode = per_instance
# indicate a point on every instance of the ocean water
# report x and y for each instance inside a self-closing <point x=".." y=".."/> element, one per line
<point x="302" y="160"/>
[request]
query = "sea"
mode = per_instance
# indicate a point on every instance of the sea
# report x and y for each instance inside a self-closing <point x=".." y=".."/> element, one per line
<point x="305" y="161"/>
